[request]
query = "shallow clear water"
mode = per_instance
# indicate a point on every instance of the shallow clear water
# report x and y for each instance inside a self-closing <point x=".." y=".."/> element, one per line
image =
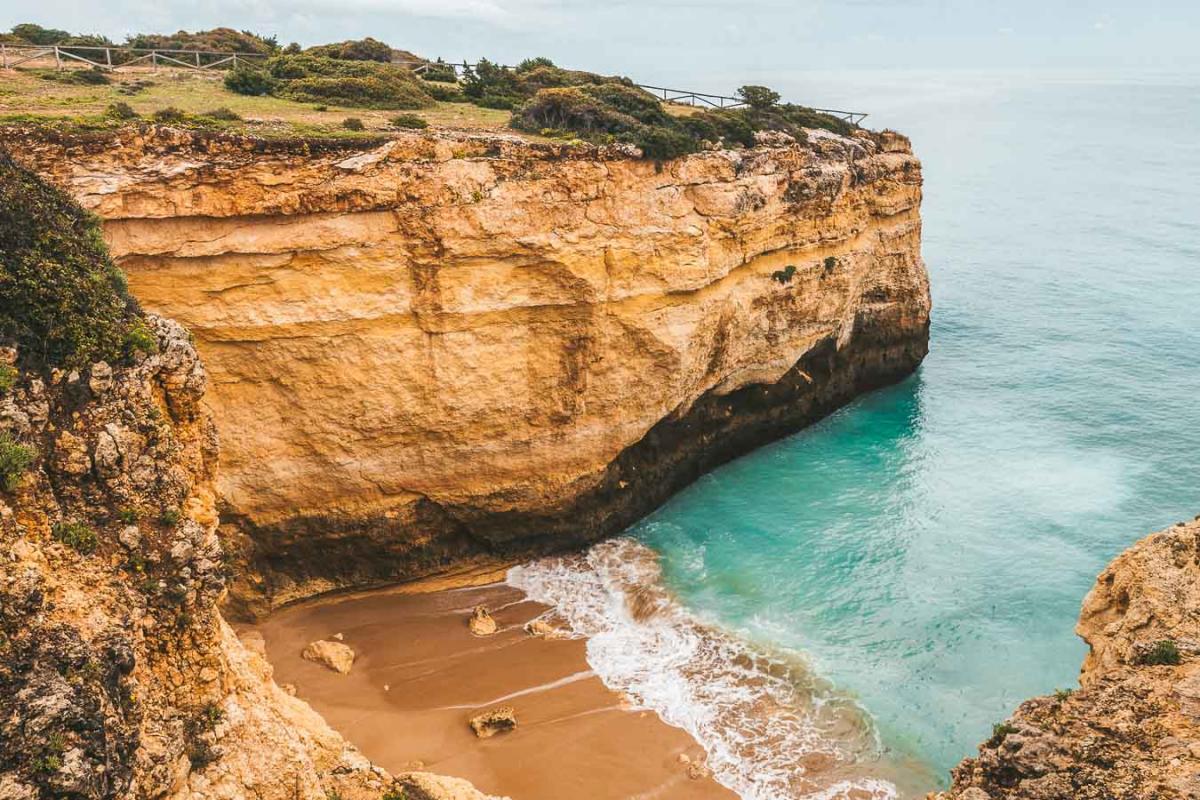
<point x="927" y="548"/>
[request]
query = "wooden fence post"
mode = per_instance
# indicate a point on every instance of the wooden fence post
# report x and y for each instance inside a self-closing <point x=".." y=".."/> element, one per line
<point x="57" y="57"/>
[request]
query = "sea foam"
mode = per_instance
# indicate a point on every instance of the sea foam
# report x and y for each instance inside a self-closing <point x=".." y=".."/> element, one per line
<point x="770" y="729"/>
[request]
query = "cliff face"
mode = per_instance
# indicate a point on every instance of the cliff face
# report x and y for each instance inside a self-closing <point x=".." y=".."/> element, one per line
<point x="119" y="678"/>
<point x="1132" y="729"/>
<point x="455" y="348"/>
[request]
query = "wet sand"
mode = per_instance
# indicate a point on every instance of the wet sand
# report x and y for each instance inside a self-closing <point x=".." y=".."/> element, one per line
<point x="574" y="738"/>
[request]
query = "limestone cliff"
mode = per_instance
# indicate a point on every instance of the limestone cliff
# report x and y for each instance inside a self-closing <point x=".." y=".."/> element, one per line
<point x="119" y="679"/>
<point x="449" y="347"/>
<point x="1132" y="729"/>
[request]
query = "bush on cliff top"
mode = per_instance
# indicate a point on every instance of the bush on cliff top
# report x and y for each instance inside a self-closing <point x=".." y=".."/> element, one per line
<point x="63" y="302"/>
<point x="362" y="84"/>
<point x="367" y="49"/>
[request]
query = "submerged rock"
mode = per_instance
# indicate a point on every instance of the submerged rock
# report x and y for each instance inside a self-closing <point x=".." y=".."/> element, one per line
<point x="544" y="629"/>
<point x="493" y="721"/>
<point x="481" y="623"/>
<point x="334" y="655"/>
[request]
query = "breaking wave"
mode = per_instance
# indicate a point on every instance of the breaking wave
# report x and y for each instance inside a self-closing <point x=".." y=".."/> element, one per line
<point x="770" y="728"/>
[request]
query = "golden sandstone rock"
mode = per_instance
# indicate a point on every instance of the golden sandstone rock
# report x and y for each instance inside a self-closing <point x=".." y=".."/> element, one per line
<point x="332" y="655"/>
<point x="458" y="347"/>
<point x="481" y="622"/>
<point x="493" y="721"/>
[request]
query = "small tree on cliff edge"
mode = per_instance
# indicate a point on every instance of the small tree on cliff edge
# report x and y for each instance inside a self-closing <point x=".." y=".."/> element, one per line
<point x="759" y="97"/>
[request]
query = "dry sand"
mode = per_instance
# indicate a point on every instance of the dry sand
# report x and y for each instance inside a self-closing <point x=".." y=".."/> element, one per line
<point x="574" y="739"/>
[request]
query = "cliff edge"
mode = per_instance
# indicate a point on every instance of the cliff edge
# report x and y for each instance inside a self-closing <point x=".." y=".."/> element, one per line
<point x="1132" y="729"/>
<point x="453" y="348"/>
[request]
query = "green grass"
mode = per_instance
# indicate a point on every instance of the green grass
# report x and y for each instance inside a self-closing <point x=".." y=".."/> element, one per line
<point x="77" y="535"/>
<point x="27" y="98"/>
<point x="15" y="459"/>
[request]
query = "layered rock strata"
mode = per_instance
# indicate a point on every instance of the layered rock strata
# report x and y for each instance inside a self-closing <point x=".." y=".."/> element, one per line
<point x="449" y="348"/>
<point x="1131" y="731"/>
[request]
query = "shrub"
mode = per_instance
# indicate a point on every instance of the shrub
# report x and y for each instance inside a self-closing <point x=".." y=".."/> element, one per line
<point x="444" y="92"/>
<point x="365" y="84"/>
<point x="1162" y="653"/>
<point x="663" y="144"/>
<point x="830" y="263"/>
<point x="439" y="72"/>
<point x="169" y="114"/>
<point x="571" y="109"/>
<point x="758" y="96"/>
<point x="79" y="77"/>
<point x="169" y="518"/>
<point x="36" y="34"/>
<point x="76" y="535"/>
<point x="493" y="82"/>
<point x="8" y="378"/>
<point x="353" y="124"/>
<point x="127" y="515"/>
<point x="293" y="49"/>
<point x="784" y="275"/>
<point x="139" y="339"/>
<point x="121" y="110"/>
<point x="216" y="39"/>
<point x="367" y="49"/>
<point x="533" y="63"/>
<point x="62" y="300"/>
<point x="395" y="793"/>
<point x="1063" y="694"/>
<point x="223" y="114"/>
<point x="249" y="81"/>
<point x="408" y="121"/>
<point x="999" y="731"/>
<point x="15" y="458"/>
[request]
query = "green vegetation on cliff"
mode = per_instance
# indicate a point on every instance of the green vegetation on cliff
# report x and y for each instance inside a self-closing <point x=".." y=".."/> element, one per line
<point x="63" y="302"/>
<point x="537" y="96"/>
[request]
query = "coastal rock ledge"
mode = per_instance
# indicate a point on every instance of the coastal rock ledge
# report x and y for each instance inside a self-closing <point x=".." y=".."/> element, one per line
<point x="457" y="349"/>
<point x="1132" y="729"/>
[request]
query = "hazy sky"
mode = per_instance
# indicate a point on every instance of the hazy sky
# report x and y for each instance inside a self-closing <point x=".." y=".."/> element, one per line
<point x="694" y="40"/>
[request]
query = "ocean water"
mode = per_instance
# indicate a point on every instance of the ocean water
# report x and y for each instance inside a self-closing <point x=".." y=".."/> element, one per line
<point x="920" y="556"/>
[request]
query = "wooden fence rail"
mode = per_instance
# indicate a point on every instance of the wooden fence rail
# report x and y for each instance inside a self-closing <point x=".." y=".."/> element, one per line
<point x="12" y="55"/>
<point x="115" y="58"/>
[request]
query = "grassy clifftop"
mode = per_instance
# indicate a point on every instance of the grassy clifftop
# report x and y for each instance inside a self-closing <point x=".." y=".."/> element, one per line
<point x="353" y="89"/>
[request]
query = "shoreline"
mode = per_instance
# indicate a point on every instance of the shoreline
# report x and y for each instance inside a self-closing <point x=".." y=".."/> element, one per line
<point x="420" y="674"/>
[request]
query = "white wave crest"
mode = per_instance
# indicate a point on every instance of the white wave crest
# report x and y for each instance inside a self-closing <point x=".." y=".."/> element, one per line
<point x="769" y="728"/>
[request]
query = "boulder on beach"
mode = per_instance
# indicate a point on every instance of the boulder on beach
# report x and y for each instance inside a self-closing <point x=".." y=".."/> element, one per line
<point x="493" y="721"/>
<point x="482" y="623"/>
<point x="544" y="629"/>
<point x="334" y="655"/>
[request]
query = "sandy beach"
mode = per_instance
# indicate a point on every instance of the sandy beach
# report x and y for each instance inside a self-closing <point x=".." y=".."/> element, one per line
<point x="420" y="674"/>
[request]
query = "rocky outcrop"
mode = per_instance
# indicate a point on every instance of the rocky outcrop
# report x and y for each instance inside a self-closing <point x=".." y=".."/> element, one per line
<point x="448" y="348"/>
<point x="119" y="679"/>
<point x="1132" y="729"/>
<point x="493" y="721"/>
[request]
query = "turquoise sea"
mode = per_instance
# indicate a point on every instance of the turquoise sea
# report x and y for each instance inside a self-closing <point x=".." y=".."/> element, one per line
<point x="927" y="548"/>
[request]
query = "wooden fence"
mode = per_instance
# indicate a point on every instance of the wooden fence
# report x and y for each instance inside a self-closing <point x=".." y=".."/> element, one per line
<point x="116" y="58"/>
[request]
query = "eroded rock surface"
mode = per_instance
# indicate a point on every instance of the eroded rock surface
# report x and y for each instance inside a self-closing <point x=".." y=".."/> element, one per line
<point x="455" y="347"/>
<point x="1132" y="729"/>
<point x="119" y="678"/>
